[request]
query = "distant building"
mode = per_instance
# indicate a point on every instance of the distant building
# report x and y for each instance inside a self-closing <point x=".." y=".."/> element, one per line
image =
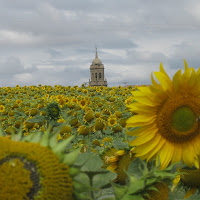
<point x="97" y="73"/>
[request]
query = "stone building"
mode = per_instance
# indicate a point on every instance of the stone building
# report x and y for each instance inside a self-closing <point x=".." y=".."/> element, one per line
<point x="97" y="73"/>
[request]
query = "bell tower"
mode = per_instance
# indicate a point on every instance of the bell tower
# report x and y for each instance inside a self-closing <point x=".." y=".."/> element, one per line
<point x="97" y="73"/>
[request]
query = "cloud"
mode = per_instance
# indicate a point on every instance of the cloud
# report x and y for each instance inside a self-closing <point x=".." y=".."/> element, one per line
<point x="11" y="66"/>
<point x="53" y="42"/>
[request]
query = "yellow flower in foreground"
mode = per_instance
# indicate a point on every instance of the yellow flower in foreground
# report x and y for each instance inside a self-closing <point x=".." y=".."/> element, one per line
<point x="37" y="167"/>
<point x="2" y="108"/>
<point x="167" y="118"/>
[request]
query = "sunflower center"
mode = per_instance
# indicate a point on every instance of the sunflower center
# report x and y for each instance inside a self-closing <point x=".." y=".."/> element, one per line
<point x="21" y="177"/>
<point x="177" y="120"/>
<point x="183" y="119"/>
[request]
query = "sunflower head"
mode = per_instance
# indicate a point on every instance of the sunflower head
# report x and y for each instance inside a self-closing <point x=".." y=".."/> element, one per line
<point x="189" y="179"/>
<point x="117" y="128"/>
<point x="167" y="118"/>
<point x="83" y="130"/>
<point x="112" y="121"/>
<point x="99" y="124"/>
<point x="151" y="182"/>
<point x="30" y="174"/>
<point x="53" y="111"/>
<point x="88" y="117"/>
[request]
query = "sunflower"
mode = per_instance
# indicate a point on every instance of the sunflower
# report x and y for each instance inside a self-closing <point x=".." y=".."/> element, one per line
<point x="83" y="130"/>
<point x="167" y="118"/>
<point x="99" y="124"/>
<point x="112" y="120"/>
<point x="36" y="167"/>
<point x="88" y="117"/>
<point x="119" y="164"/>
<point x="83" y="103"/>
<point x="189" y="179"/>
<point x="143" y="181"/>
<point x="2" y="108"/>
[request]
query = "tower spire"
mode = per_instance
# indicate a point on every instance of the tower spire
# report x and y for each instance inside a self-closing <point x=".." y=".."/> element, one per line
<point x="96" y="53"/>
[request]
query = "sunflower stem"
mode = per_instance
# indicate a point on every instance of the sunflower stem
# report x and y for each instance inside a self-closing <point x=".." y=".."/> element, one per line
<point x="91" y="183"/>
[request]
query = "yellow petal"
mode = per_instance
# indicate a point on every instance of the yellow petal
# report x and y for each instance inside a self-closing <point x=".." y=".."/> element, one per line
<point x="186" y="65"/>
<point x="178" y="153"/>
<point x="144" y="137"/>
<point x="166" y="83"/>
<point x="176" y="79"/>
<point x="147" y="147"/>
<point x="188" y="154"/>
<point x="146" y="100"/>
<point x="163" y="71"/>
<point x="190" y="192"/>
<point x="140" y="120"/>
<point x="196" y="145"/>
<point x="155" y="84"/>
<point x="193" y="79"/>
<point x="186" y="73"/>
<point x="175" y="182"/>
<point x="139" y="108"/>
<point x="166" y="154"/>
<point x="151" y="154"/>
<point x="137" y="131"/>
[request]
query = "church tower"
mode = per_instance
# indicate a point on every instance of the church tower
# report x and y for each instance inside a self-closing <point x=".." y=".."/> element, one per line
<point x="97" y="73"/>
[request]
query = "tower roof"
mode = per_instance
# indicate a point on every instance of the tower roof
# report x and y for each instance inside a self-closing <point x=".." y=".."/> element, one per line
<point x="96" y="61"/>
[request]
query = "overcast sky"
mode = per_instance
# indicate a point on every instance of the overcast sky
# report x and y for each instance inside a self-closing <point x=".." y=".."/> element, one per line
<point x="52" y="42"/>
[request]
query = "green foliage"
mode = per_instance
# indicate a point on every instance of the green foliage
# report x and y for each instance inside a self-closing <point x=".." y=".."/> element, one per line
<point x="141" y="178"/>
<point x="53" y="111"/>
<point x="92" y="174"/>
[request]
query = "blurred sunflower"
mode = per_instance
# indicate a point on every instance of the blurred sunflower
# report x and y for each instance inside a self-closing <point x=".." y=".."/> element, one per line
<point x="112" y="120"/>
<point x="189" y="179"/>
<point x="99" y="124"/>
<point x="2" y="108"/>
<point x="36" y="167"/>
<point x="83" y="130"/>
<point x="88" y="117"/>
<point x="97" y="114"/>
<point x="118" y="161"/>
<point x="168" y="118"/>
<point x="83" y="103"/>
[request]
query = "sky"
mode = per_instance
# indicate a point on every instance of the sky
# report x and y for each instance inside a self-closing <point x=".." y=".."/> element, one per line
<point x="52" y="42"/>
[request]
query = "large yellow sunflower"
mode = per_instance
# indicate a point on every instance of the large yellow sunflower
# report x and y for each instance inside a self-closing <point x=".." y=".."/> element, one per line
<point x="167" y="118"/>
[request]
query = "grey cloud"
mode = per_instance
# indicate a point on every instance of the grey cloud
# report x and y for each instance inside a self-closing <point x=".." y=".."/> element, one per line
<point x="64" y="33"/>
<point x="11" y="66"/>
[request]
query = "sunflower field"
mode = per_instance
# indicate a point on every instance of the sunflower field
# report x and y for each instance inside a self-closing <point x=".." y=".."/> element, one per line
<point x="102" y="143"/>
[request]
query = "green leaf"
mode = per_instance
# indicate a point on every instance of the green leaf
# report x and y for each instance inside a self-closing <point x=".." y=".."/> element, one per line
<point x="82" y="178"/>
<point x="118" y="144"/>
<point x="93" y="164"/>
<point x="150" y="181"/>
<point x="101" y="180"/>
<point x="19" y="134"/>
<point x="36" y="138"/>
<point x="79" y="196"/>
<point x="83" y="158"/>
<point x="119" y="191"/>
<point x="1" y="131"/>
<point x="61" y="146"/>
<point x="107" y="197"/>
<point x="44" y="141"/>
<point x="81" y="187"/>
<point x="135" y="185"/>
<point x="53" y="140"/>
<point x="73" y="171"/>
<point x="37" y="119"/>
<point x="71" y="157"/>
<point x="136" y="168"/>
<point x="28" y="137"/>
<point x="132" y="197"/>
